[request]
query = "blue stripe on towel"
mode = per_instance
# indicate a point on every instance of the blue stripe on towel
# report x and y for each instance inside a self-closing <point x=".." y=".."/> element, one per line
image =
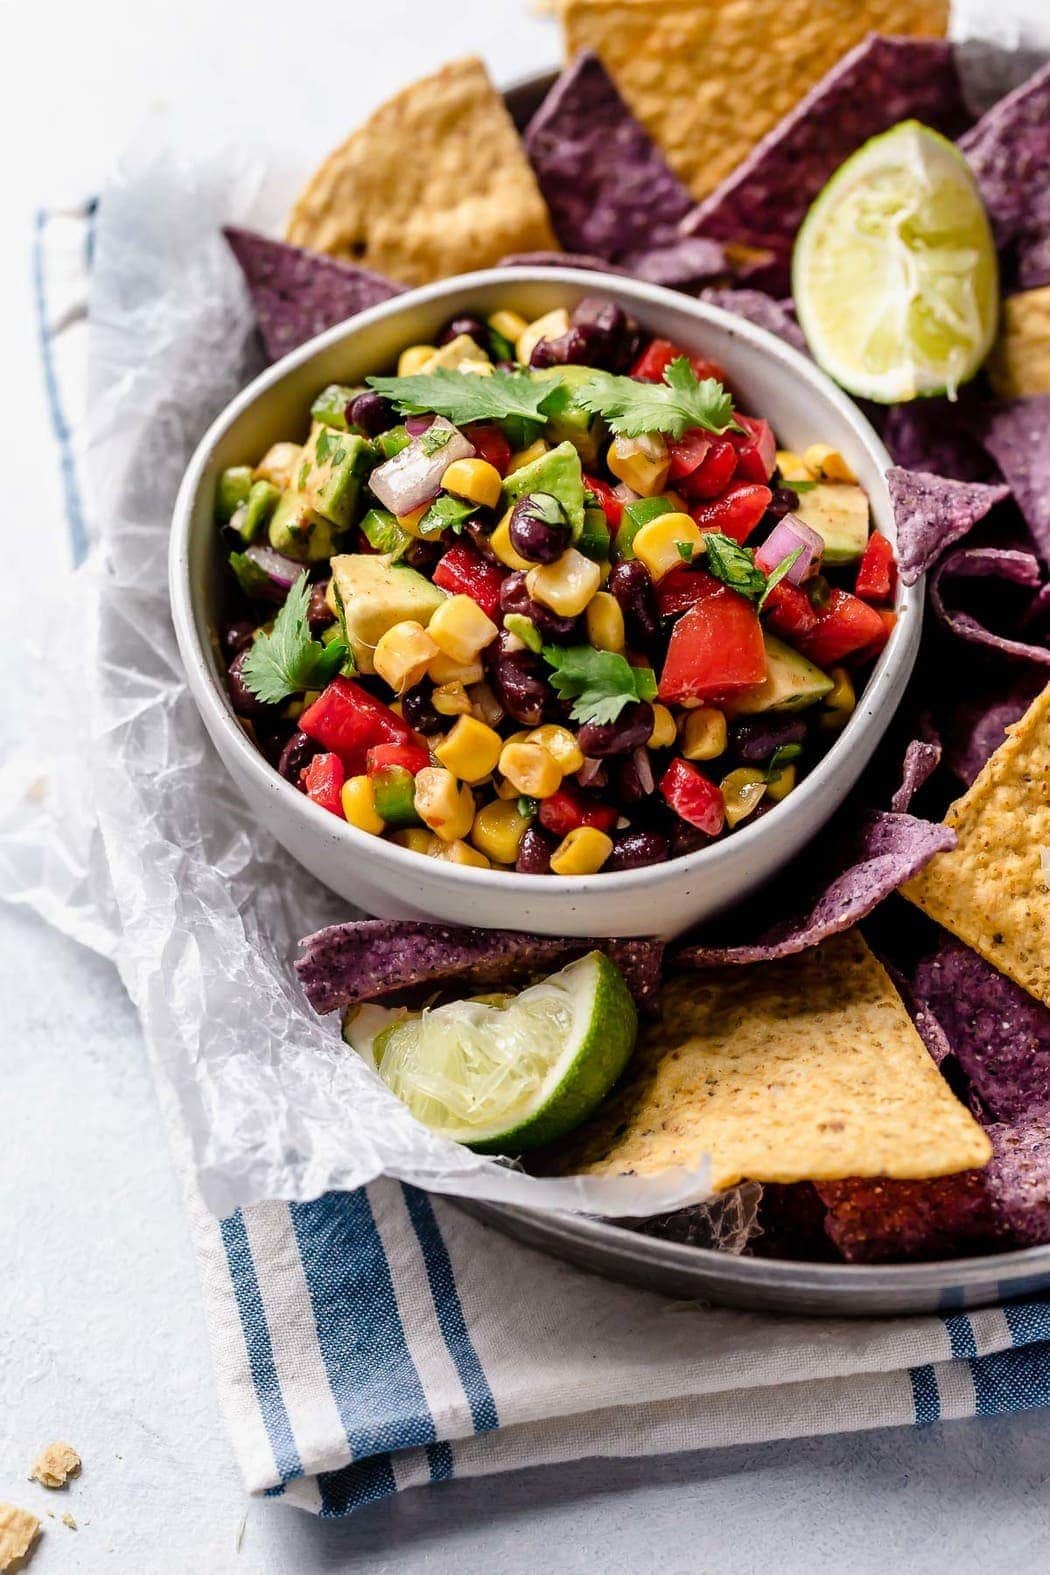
<point x="260" y="1351"/>
<point x="960" y="1333"/>
<point x="1016" y="1380"/>
<point x="1028" y="1322"/>
<point x="78" y="540"/>
<point x="926" y="1395"/>
<point x="364" y="1482"/>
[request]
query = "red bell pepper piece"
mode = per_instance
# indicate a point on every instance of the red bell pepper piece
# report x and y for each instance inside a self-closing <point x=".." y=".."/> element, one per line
<point x="412" y="757"/>
<point x="489" y="444"/>
<point x="567" y="809"/>
<point x="612" y="508"/>
<point x="322" y="780"/>
<point x="844" y="627"/>
<point x="789" y="611"/>
<point x="877" y="571"/>
<point x="715" y="648"/>
<point x="681" y="587"/>
<point x="688" y="452"/>
<point x="465" y="572"/>
<point x="756" y="448"/>
<point x="693" y="797"/>
<point x="658" y="355"/>
<point x="347" y="720"/>
<point x="736" y="512"/>
<point x="713" y="476"/>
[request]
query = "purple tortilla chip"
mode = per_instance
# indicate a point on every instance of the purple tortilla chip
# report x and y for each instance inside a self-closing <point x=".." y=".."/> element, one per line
<point x="987" y="564"/>
<point x="934" y="435"/>
<point x="609" y="189"/>
<point x="376" y="958"/>
<point x="1016" y="435"/>
<point x="978" y="722"/>
<point x="692" y="260"/>
<point x="1018" y="1177"/>
<point x="886" y="851"/>
<point x="883" y="80"/>
<point x="931" y="512"/>
<point x="584" y="260"/>
<point x="1009" y="153"/>
<point x="776" y="317"/>
<point x="921" y="759"/>
<point x="297" y="294"/>
<point x="999" y="1034"/>
<point x="875" y="1221"/>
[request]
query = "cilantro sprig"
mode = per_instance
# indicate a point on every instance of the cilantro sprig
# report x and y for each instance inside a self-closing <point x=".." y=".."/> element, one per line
<point x="462" y="397"/>
<point x="680" y="403"/>
<point x="735" y="566"/>
<point x="289" y="660"/>
<point x="599" y="683"/>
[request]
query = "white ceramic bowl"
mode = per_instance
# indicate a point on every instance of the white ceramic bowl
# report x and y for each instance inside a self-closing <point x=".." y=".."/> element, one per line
<point x="391" y="882"/>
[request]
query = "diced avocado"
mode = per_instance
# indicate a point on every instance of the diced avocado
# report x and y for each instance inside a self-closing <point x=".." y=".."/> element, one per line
<point x="381" y="531"/>
<point x="299" y="531"/>
<point x="568" y="422"/>
<point x="558" y="472"/>
<point x="391" y="442"/>
<point x="635" y="515"/>
<point x="231" y="491"/>
<point x="791" y="683"/>
<point x="252" y="515"/>
<point x="594" y="540"/>
<point x="523" y="629"/>
<point x="279" y="464"/>
<point x="333" y="467"/>
<point x="462" y="348"/>
<point x="838" y="512"/>
<point x="394" y="788"/>
<point x="373" y="595"/>
<point x="333" y="403"/>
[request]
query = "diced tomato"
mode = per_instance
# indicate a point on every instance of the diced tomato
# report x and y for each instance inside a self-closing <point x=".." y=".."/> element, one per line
<point x="714" y="474"/>
<point x="411" y="757"/>
<point x="715" y="648"/>
<point x="347" y="720"/>
<point x="870" y="652"/>
<point x="688" y="452"/>
<point x="658" y="355"/>
<point x="693" y="797"/>
<point x="462" y="571"/>
<point x="789" y="611"/>
<point x="612" y="508"/>
<point x="844" y="626"/>
<point x="323" y="778"/>
<point x="680" y="587"/>
<point x="566" y="809"/>
<point x="756" y="448"/>
<point x="736" y="512"/>
<point x="489" y="444"/>
<point x="877" y="572"/>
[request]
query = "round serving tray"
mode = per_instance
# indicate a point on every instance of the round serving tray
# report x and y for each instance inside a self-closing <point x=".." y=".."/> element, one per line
<point x="758" y="1284"/>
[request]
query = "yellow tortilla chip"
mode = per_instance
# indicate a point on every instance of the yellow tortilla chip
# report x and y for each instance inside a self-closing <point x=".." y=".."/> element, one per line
<point x="18" y="1532"/>
<point x="1019" y="365"/>
<point x="709" y="78"/>
<point x="436" y="182"/>
<point x="807" y="1069"/>
<point x="993" y="889"/>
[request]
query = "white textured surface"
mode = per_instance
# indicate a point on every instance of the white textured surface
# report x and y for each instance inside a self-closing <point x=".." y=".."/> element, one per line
<point x="101" y="1336"/>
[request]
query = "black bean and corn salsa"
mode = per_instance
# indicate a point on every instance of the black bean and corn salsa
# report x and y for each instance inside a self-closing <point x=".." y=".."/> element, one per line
<point x="547" y="599"/>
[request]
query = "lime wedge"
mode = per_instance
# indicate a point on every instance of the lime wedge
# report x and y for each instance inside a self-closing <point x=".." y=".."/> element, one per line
<point x="506" y="1073"/>
<point x="894" y="272"/>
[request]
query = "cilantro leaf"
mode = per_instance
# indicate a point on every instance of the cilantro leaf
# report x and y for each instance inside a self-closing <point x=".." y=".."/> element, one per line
<point x="434" y="439"/>
<point x="777" y="574"/>
<point x="464" y="396"/>
<point x="253" y="581"/>
<point x="678" y="404"/>
<point x="289" y="660"/>
<point x="797" y="486"/>
<point x="686" y="550"/>
<point x="733" y="565"/>
<point x="780" y="758"/>
<point x="600" y="683"/>
<point x="446" y="513"/>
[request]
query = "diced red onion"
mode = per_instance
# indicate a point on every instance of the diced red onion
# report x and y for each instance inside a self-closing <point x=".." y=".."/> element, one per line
<point x="625" y="494"/>
<point x="282" y="572"/>
<point x="415" y="426"/>
<point x="644" y="769"/>
<point x="413" y="477"/>
<point x="786" y="536"/>
<point x="589" y="772"/>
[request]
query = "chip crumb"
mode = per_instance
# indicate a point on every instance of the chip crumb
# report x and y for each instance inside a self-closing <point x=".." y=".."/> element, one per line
<point x="18" y="1532"/>
<point x="67" y="1520"/>
<point x="55" y="1465"/>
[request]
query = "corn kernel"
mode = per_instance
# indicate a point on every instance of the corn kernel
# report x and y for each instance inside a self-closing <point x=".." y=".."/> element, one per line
<point x="781" y="784"/>
<point x="475" y="480"/>
<point x="642" y="462"/>
<point x="532" y="769"/>
<point x="443" y="804"/>
<point x="450" y="700"/>
<point x="742" y="792"/>
<point x="498" y="829"/>
<point x="565" y="586"/>
<point x="414" y="359"/>
<point x="826" y="464"/>
<point x="560" y="743"/>
<point x="409" y="523"/>
<point x="511" y="325"/>
<point x="550" y="326"/>
<point x="505" y="789"/>
<point x="456" y="355"/>
<point x="704" y="734"/>
<point x="525" y="456"/>
<point x="460" y="852"/>
<point x="484" y="706"/>
<point x="471" y="751"/>
<point x="656" y="544"/>
<point x="443" y="670"/>
<point x="792" y="466"/>
<point x="404" y="654"/>
<point x="665" y="729"/>
<point x="359" y="805"/>
<point x="418" y="840"/>
<point x="605" y="628"/>
<point x="503" y="547"/>
<point x="461" y="629"/>
<point x="278" y="465"/>
<point x="839" y="703"/>
<point x="582" y="852"/>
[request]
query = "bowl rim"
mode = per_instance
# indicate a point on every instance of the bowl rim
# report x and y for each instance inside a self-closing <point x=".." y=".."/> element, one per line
<point x="867" y="719"/>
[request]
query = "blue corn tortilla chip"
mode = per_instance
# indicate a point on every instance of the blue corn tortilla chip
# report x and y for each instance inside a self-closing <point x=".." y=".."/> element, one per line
<point x="988" y="568"/>
<point x="583" y="260"/>
<point x="374" y="959"/>
<point x="932" y="512"/>
<point x="921" y="759"/>
<point x="1009" y="153"/>
<point x="935" y="435"/>
<point x="776" y="317"/>
<point x="683" y="263"/>
<point x="297" y="294"/>
<point x="978" y="720"/>
<point x="858" y="873"/>
<point x="998" y="1033"/>
<point x="1015" y="434"/>
<point x="881" y="81"/>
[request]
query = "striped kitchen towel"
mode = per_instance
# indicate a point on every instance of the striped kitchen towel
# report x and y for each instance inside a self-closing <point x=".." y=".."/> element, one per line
<point x="371" y="1341"/>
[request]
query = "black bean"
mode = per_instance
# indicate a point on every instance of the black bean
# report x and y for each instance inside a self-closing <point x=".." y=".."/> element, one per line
<point x="756" y="738"/>
<point x="539" y="528"/>
<point x="473" y="326"/>
<point x="630" y="729"/>
<point x="534" y="852"/>
<point x="687" y="839"/>
<point x="633" y="849"/>
<point x="518" y="678"/>
<point x="371" y="412"/>
<point x="631" y="584"/>
<point x="236" y="637"/>
<point x="318" y="614"/>
<point x="418" y="709"/>
<point x="784" y="501"/>
<point x="424" y="556"/>
<point x="568" y="348"/>
<point x="478" y="531"/>
<point x="244" y="702"/>
<point x="514" y="598"/>
<point x="296" y="756"/>
<point x="631" y="781"/>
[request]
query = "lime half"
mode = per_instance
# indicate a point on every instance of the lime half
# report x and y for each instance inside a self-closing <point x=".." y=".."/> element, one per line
<point x="506" y="1073"/>
<point x="894" y="272"/>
